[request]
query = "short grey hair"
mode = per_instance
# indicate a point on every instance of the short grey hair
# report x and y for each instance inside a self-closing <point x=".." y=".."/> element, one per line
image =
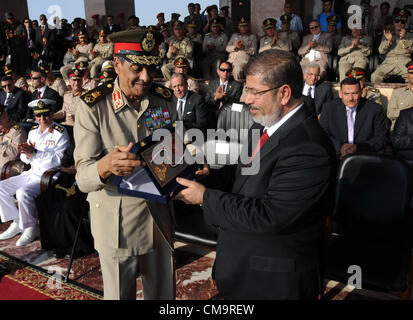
<point x="312" y="65"/>
<point x="179" y="75"/>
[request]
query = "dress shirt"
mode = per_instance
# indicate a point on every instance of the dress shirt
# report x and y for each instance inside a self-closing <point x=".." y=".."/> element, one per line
<point x="272" y="129"/>
<point x="183" y="106"/>
<point x="305" y="90"/>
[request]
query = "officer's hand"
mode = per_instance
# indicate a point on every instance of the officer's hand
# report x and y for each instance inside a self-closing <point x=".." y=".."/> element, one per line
<point x="120" y="161"/>
<point x="388" y="35"/>
<point x="204" y="171"/>
<point x="193" y="194"/>
<point x="26" y="148"/>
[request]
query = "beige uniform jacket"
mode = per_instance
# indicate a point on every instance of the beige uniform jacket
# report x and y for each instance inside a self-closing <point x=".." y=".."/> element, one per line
<point x="250" y="46"/>
<point x="70" y="104"/>
<point x="105" y="51"/>
<point x="84" y="52"/>
<point x="220" y="43"/>
<point x="9" y="140"/>
<point x="184" y="49"/>
<point x="121" y="225"/>
<point x="283" y="43"/>
<point x="59" y="85"/>
<point x="397" y="51"/>
<point x="357" y="54"/>
<point x="402" y="98"/>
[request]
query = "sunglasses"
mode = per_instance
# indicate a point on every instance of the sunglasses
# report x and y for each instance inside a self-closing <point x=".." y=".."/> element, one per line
<point x="45" y="114"/>
<point x="9" y="85"/>
<point x="35" y="78"/>
<point x="315" y="27"/>
<point x="397" y="20"/>
<point x="225" y="70"/>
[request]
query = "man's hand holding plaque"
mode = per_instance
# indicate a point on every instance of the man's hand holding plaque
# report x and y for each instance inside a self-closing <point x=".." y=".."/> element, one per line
<point x="120" y="161"/>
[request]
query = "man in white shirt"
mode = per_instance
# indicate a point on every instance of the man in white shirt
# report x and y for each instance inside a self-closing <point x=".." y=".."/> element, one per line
<point x="43" y="150"/>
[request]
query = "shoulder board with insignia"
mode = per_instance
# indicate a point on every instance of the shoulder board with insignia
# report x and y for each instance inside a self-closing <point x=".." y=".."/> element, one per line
<point x="161" y="91"/>
<point x="91" y="97"/>
<point x="59" y="128"/>
<point x="15" y="126"/>
<point x="374" y="89"/>
<point x="34" y="127"/>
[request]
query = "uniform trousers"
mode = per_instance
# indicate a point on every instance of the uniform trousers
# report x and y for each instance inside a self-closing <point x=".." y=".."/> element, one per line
<point x="26" y="187"/>
<point x="156" y="268"/>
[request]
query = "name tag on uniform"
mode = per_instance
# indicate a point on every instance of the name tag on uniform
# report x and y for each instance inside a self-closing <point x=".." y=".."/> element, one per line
<point x="237" y="107"/>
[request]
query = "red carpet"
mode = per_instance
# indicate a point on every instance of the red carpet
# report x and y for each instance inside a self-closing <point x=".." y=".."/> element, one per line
<point x="27" y="283"/>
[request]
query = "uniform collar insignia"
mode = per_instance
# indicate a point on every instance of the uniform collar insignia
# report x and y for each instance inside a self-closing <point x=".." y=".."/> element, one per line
<point x="117" y="99"/>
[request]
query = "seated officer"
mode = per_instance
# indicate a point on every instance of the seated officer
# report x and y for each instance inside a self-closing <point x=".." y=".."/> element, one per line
<point x="402" y="98"/>
<point x="354" y="52"/>
<point x="241" y="47"/>
<point x="368" y="91"/>
<point x="43" y="150"/>
<point x="182" y="66"/>
<point x="272" y="38"/>
<point x="11" y="135"/>
<point x="397" y="45"/>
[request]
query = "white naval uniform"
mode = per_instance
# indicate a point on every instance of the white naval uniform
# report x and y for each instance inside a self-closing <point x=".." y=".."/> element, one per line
<point x="50" y="147"/>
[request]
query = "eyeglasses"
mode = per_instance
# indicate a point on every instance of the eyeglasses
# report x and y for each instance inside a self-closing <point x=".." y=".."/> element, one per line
<point x="225" y="70"/>
<point x="314" y="27"/>
<point x="35" y="78"/>
<point x="9" y="85"/>
<point x="257" y="94"/>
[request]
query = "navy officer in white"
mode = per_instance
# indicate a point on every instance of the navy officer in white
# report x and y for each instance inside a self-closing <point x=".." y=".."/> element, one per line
<point x="43" y="150"/>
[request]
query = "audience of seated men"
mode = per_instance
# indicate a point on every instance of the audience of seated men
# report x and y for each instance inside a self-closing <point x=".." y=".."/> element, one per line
<point x="316" y="48"/>
<point x="397" y="46"/>
<point x="190" y="105"/>
<point x="354" y="123"/>
<point x="182" y="66"/>
<point x="43" y="150"/>
<point x="15" y="99"/>
<point x="401" y="98"/>
<point x="11" y="135"/>
<point x="318" y="91"/>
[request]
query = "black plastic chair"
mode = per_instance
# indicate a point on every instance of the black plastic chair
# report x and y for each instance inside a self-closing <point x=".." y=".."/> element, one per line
<point x="371" y="225"/>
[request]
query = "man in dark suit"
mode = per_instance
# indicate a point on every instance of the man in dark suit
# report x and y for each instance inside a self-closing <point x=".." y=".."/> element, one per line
<point x="110" y="26"/>
<point x="42" y="91"/>
<point x="43" y="31"/>
<point x="319" y="91"/>
<point x="189" y="105"/>
<point x="13" y="98"/>
<point x="271" y="223"/>
<point x="354" y="123"/>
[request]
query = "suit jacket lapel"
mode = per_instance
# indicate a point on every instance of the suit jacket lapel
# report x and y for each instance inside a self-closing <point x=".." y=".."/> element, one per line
<point x="360" y="118"/>
<point x="188" y="104"/>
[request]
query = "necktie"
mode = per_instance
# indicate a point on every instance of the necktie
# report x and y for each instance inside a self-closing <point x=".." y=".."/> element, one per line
<point x="350" y="125"/>
<point x="309" y="92"/>
<point x="6" y="102"/>
<point x="38" y="94"/>
<point x="180" y="105"/>
<point x="42" y="31"/>
<point x="263" y="139"/>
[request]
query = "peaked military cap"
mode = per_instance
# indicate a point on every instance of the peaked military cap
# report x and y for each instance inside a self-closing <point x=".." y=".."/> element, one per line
<point x="161" y="14"/>
<point x="357" y="73"/>
<point x="243" y="22"/>
<point x="8" y="69"/>
<point x="41" y="106"/>
<point x="409" y="66"/>
<point x="269" y="23"/>
<point x="332" y="20"/>
<point x="76" y="74"/>
<point x="82" y="65"/>
<point x="181" y="62"/>
<point x="139" y="47"/>
<point x="285" y="18"/>
<point x="192" y="24"/>
<point x="214" y="23"/>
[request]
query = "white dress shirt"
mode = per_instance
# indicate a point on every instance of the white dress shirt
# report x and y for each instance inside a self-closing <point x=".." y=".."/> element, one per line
<point x="183" y="106"/>
<point x="305" y="89"/>
<point x="271" y="130"/>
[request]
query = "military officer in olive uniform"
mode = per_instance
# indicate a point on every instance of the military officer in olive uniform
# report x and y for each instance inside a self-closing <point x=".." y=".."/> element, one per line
<point x="241" y="47"/>
<point x="133" y="236"/>
<point x="11" y="135"/>
<point x="402" y="98"/>
<point x="287" y="33"/>
<point x="368" y="91"/>
<point x="214" y="49"/>
<point x="354" y="52"/>
<point x="101" y="52"/>
<point x="397" y="45"/>
<point x="273" y="39"/>
<point x="179" y="46"/>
